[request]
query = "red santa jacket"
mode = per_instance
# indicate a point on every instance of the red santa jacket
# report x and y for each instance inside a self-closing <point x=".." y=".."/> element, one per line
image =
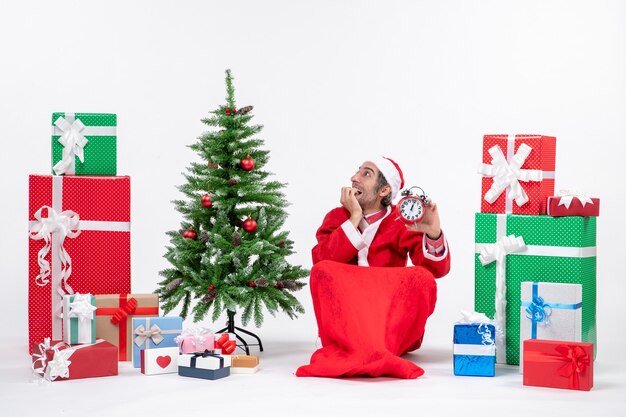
<point x="386" y="242"/>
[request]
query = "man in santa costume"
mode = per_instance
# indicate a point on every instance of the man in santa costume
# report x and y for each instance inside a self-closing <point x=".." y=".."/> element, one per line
<point x="368" y="317"/>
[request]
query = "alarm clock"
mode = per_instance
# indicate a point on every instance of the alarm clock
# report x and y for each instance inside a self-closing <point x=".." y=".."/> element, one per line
<point x="411" y="208"/>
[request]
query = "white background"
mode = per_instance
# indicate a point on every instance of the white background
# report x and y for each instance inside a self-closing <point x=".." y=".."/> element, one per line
<point x="334" y="83"/>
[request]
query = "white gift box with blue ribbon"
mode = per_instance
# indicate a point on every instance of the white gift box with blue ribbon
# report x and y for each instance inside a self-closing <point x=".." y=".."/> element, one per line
<point x="550" y="311"/>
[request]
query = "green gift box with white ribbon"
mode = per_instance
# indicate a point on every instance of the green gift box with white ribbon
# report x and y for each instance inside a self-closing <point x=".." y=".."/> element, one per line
<point x="84" y="144"/>
<point x="511" y="249"/>
<point x="79" y="319"/>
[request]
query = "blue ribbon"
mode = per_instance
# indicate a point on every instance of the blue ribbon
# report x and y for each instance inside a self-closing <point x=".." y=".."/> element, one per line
<point x="537" y="310"/>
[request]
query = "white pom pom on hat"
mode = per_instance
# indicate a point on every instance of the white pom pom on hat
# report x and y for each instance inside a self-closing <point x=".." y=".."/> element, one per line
<point x="392" y="172"/>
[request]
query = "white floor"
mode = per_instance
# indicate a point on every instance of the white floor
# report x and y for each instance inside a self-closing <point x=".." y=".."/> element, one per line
<point x="275" y="391"/>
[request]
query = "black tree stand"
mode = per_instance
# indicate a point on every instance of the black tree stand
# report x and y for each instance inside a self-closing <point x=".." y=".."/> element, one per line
<point x="230" y="328"/>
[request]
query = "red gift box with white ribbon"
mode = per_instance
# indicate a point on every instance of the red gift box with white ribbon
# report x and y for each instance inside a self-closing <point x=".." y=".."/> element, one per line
<point x="518" y="173"/>
<point x="572" y="203"/>
<point x="79" y="243"/>
<point x="558" y="364"/>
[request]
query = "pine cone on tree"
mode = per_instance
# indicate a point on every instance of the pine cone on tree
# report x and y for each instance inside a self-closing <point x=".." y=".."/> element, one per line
<point x="281" y="243"/>
<point x="289" y="285"/>
<point x="213" y="165"/>
<point x="181" y="232"/>
<point x="173" y="284"/>
<point x="245" y="110"/>
<point x="209" y="296"/>
<point x="261" y="282"/>
<point x="204" y="236"/>
<point x="236" y="238"/>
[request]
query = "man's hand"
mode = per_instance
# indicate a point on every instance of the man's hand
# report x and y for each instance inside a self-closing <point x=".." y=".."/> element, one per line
<point x="349" y="201"/>
<point x="429" y="224"/>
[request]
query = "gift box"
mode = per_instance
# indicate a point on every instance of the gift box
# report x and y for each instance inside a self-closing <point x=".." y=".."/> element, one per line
<point x="474" y="349"/>
<point x="114" y="318"/>
<point x="79" y="242"/>
<point x="196" y="340"/>
<point x="558" y="364"/>
<point x="518" y="173"/>
<point x="159" y="361"/>
<point x="79" y="319"/>
<point x="244" y="364"/>
<point x="550" y="311"/>
<point x="56" y="360"/>
<point x="511" y="249"/>
<point x="154" y="332"/>
<point x="84" y="144"/>
<point x="203" y="365"/>
<point x="225" y="343"/>
<point x="567" y="204"/>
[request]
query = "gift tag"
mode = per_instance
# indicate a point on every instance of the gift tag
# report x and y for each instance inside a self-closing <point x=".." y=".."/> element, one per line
<point x="159" y="361"/>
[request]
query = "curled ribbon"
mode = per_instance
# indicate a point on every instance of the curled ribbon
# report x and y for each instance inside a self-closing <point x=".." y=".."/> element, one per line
<point x="143" y="334"/>
<point x="81" y="307"/>
<point x="65" y="224"/>
<point x="567" y="196"/>
<point x="538" y="310"/>
<point x="509" y="174"/>
<point x="123" y="312"/>
<point x="498" y="252"/>
<point x="73" y="143"/>
<point x="483" y="321"/>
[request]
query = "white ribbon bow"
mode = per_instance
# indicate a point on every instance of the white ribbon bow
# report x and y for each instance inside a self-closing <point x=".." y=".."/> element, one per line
<point x="509" y="174"/>
<point x="82" y="308"/>
<point x="73" y="143"/>
<point x="568" y="195"/>
<point x="504" y="246"/>
<point x="58" y="367"/>
<point x="154" y="333"/>
<point x="66" y="224"/>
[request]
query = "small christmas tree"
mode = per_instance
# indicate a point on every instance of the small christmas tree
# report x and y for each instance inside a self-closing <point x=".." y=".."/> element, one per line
<point x="230" y="253"/>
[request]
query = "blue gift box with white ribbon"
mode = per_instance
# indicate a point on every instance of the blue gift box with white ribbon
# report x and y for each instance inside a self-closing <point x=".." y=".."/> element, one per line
<point x="206" y="365"/>
<point x="550" y="311"/>
<point x="154" y="332"/>
<point x="474" y="349"/>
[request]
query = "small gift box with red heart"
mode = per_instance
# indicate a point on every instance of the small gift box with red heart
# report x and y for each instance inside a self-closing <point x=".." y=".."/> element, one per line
<point x="159" y="361"/>
<point x="225" y="343"/>
<point x="558" y="364"/>
<point x="154" y="332"/>
<point x="570" y="203"/>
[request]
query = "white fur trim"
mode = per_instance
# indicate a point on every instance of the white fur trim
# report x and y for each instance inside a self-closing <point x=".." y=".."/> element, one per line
<point x="435" y="258"/>
<point x="353" y="235"/>
<point x="368" y="237"/>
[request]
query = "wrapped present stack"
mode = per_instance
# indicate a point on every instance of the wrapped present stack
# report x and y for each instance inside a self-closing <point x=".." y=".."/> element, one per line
<point x="535" y="260"/>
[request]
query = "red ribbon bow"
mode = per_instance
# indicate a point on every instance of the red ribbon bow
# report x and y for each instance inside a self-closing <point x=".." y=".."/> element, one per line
<point x="123" y="312"/>
<point x="576" y="361"/>
<point x="228" y="346"/>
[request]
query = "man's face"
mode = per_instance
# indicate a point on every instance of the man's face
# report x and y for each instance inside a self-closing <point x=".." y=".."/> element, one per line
<point x="365" y="180"/>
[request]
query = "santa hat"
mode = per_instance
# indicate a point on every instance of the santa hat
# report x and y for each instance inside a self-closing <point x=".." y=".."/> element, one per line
<point x="392" y="173"/>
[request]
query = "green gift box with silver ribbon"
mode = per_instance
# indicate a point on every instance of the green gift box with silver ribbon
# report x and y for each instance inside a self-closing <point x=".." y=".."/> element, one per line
<point x="84" y="144"/>
<point x="515" y="248"/>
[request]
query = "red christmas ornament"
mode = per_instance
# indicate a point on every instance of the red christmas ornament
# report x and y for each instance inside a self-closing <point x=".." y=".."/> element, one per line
<point x="278" y="284"/>
<point x="211" y="287"/>
<point x="227" y="111"/>
<point x="251" y="284"/>
<point x="249" y="225"/>
<point x="233" y="182"/>
<point x="247" y="164"/>
<point x="206" y="201"/>
<point x="190" y="234"/>
<point x="233" y="110"/>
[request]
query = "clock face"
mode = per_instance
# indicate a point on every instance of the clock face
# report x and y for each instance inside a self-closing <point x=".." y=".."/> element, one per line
<point x="411" y="209"/>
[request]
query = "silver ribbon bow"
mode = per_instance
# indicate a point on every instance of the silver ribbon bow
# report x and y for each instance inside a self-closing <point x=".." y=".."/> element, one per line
<point x="73" y="143"/>
<point x="143" y="335"/>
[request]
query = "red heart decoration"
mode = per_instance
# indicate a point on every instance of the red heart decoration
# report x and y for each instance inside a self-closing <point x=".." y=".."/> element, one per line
<point x="163" y="361"/>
